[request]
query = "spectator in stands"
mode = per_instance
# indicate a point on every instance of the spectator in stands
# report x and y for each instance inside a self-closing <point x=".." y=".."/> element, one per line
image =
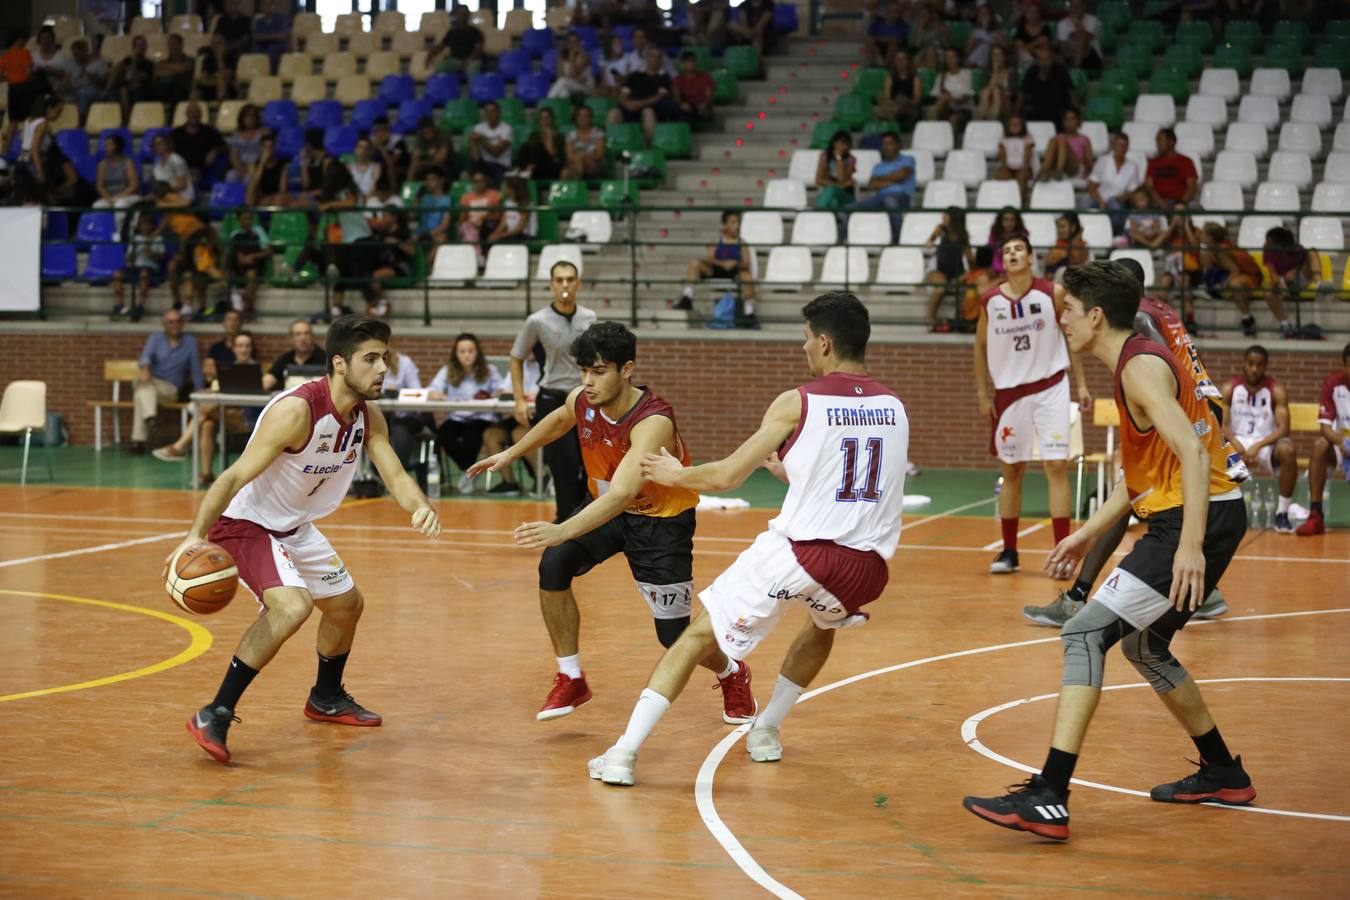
<point x="1171" y="179"/>
<point x="168" y="365"/>
<point x="170" y="168"/>
<point x="575" y="79"/>
<point x="250" y="248"/>
<point x="84" y="80"/>
<point x="1292" y="269"/>
<point x="901" y="97"/>
<point x="144" y="261"/>
<point x="173" y="74"/>
<point x="133" y="79"/>
<point x="952" y="254"/>
<point x="1047" y="90"/>
<point x="1070" y="249"/>
<point x="431" y="148"/>
<point x="49" y="62"/>
<point x="267" y="180"/>
<point x="384" y="208"/>
<point x="391" y="150"/>
<point x="728" y="258"/>
<point x="1181" y="267"/>
<point x="236" y="27"/>
<point x="544" y="154"/>
<point x="245" y="144"/>
<point x="462" y="46"/>
<point x="929" y="37"/>
<point x="635" y="60"/>
<point x="892" y="184"/>
<point x="1070" y="152"/>
<point x="885" y="35"/>
<point x="995" y="99"/>
<point x="612" y="67"/>
<point x="352" y="249"/>
<point x="464" y="435"/>
<point x="1114" y="178"/>
<point x="303" y="352"/>
<point x="479" y="213"/>
<point x="405" y="426"/>
<point x="1332" y="445"/>
<point x="201" y="146"/>
<point x="208" y="420"/>
<point x="954" y="91"/>
<point x="272" y="30"/>
<point x="215" y="76"/>
<point x="646" y="96"/>
<point x="1078" y="37"/>
<point x="834" y="173"/>
<point x="586" y="148"/>
<point x="54" y="179"/>
<point x="515" y="225"/>
<point x="693" y="91"/>
<point x="221" y="353"/>
<point x="434" y="209"/>
<point x="16" y="69"/>
<point x="1016" y="154"/>
<point x="1032" y="35"/>
<point x="1146" y="228"/>
<point x="708" y="24"/>
<point x="1008" y="224"/>
<point x="1232" y="271"/>
<point x="195" y="259"/>
<point x="117" y="181"/>
<point x="364" y="168"/>
<point x="490" y="143"/>
<point x="984" y="37"/>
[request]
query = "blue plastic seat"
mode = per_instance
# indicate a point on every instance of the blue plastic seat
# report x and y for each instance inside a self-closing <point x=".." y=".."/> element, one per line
<point x="548" y="63"/>
<point x="365" y="112"/>
<point x="394" y="89"/>
<point x="58" y="262"/>
<point x="536" y="41"/>
<point x="128" y="145"/>
<point x="56" y="226"/>
<point x="625" y="34"/>
<point x="87" y="168"/>
<point x="290" y="141"/>
<point x="339" y="139"/>
<point x="590" y="36"/>
<point x="513" y="63"/>
<point x="279" y="114"/>
<point x="74" y="142"/>
<point x="147" y="142"/>
<point x="441" y="87"/>
<point x="532" y="87"/>
<point x="226" y="195"/>
<point x="15" y="147"/>
<point x="105" y="261"/>
<point x="95" y="228"/>
<point x="324" y="114"/>
<point x="785" y="18"/>
<point x="487" y="86"/>
<point x="409" y="112"/>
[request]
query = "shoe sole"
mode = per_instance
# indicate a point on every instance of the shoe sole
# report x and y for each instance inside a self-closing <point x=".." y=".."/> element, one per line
<point x="1213" y="613"/>
<point x="219" y="754"/>
<point x="611" y="775"/>
<point x="559" y="711"/>
<point x="1017" y="823"/>
<point x="342" y="719"/>
<point x="741" y="720"/>
<point x="1289" y="530"/>
<point x="1002" y="570"/>
<point x="768" y="755"/>
<point x="1040" y="619"/>
<point x="1227" y="796"/>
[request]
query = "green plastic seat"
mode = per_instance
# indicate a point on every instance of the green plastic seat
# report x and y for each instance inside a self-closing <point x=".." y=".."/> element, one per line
<point x="726" y="87"/>
<point x="459" y="115"/>
<point x="1115" y="14"/>
<point x="408" y="193"/>
<point x="612" y="194"/>
<point x="1285" y="56"/>
<point x="674" y="139"/>
<point x="228" y="226"/>
<point x="520" y="133"/>
<point x="624" y="136"/>
<point x="458" y="189"/>
<point x="1336" y="30"/>
<point x="1173" y="82"/>
<point x="1136" y="59"/>
<point x="567" y="196"/>
<point x="1242" y="31"/>
<point x="562" y="110"/>
<point x="927" y="78"/>
<point x="821" y="134"/>
<point x="1290" y="31"/>
<point x="870" y="82"/>
<point x="290" y="227"/>
<point x="882" y="126"/>
<point x="1199" y="35"/>
<point x="703" y="58"/>
<point x="1154" y="8"/>
<point x="549" y="232"/>
<point x="743" y="62"/>
<point x="1148" y="33"/>
<point x="601" y="107"/>
<point x="853" y="110"/>
<point x="1185" y="58"/>
<point x="1103" y="108"/>
<point x="304" y="276"/>
<point x="980" y="77"/>
<point x="958" y="32"/>
<point x="1108" y="37"/>
<point x="417" y="272"/>
<point x="1119" y="83"/>
<point x="513" y="110"/>
<point x="1233" y="56"/>
<point x="650" y="159"/>
<point x="1333" y="54"/>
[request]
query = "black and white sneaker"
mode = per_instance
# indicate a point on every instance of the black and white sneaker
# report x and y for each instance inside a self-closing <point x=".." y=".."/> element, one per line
<point x="1230" y="785"/>
<point x="1030" y="806"/>
<point x="209" y="727"/>
<point x="1004" y="564"/>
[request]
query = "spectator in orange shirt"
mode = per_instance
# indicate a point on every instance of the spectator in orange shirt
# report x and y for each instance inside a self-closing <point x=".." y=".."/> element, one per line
<point x="694" y="91"/>
<point x="16" y="70"/>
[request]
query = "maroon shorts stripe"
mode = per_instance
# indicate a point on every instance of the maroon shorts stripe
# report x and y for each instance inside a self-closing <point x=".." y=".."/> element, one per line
<point x="251" y="546"/>
<point x="854" y="577"/>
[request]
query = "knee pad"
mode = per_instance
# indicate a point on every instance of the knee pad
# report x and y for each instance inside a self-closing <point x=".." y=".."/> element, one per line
<point x="668" y="631"/>
<point x="560" y="564"/>
<point x="1153" y="659"/>
<point x="1086" y="638"/>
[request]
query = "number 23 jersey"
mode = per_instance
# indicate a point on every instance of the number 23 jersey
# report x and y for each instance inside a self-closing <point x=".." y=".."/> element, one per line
<point x="846" y="465"/>
<point x="1023" y="342"/>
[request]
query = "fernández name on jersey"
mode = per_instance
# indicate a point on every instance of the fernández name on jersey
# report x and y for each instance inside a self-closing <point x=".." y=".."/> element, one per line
<point x="858" y="417"/>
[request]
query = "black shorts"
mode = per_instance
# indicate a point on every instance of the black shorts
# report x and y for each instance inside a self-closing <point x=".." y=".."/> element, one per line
<point x="659" y="550"/>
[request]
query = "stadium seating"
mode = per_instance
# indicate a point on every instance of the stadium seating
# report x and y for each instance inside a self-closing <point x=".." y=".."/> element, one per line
<point x="900" y="266"/>
<point x="814" y="229"/>
<point x="785" y="193"/>
<point x="762" y="228"/>
<point x="787" y="266"/>
<point x="845" y="265"/>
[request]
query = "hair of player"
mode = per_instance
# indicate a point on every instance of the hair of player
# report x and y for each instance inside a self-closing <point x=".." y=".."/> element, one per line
<point x="1259" y="351"/>
<point x="844" y="319"/>
<point x="1133" y="267"/>
<point x="604" y="342"/>
<point x="553" y="269"/>
<point x="1109" y="287"/>
<point x="348" y="333"/>
<point x="1016" y="236"/>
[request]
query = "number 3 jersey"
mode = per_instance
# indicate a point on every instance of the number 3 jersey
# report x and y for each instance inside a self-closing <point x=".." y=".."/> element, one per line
<point x="1023" y="343"/>
<point x="846" y="465"/>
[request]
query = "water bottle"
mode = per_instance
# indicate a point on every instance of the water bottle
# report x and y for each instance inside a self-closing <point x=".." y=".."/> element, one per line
<point x="1345" y="459"/>
<point x="1247" y="501"/>
<point x="434" y="477"/>
<point x="998" y="489"/>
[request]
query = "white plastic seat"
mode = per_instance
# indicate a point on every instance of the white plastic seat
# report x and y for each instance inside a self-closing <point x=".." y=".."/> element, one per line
<point x="1237" y="166"/>
<point x="596" y="225"/>
<point x="815" y="229"/>
<point x="935" y="137"/>
<point x="1276" y="196"/>
<point x="917" y="227"/>
<point x="1252" y="231"/>
<point x="1195" y="138"/>
<point x="978" y="225"/>
<point x="1222" y="83"/>
<point x="869" y="229"/>
<point x="1207" y="110"/>
<point x="942" y="194"/>
<point x="1041" y="229"/>
<point x="349" y="23"/>
<point x="1337" y="167"/>
<point x="1143" y="257"/>
<point x="785" y="193"/>
<point x="1247" y="136"/>
<point x="1221" y="196"/>
<point x="506" y="263"/>
<point x="803" y="165"/>
<point x="1140" y="158"/>
<point x="1341" y="139"/>
<point x="23" y="410"/>
<point x="1042" y="133"/>
<point x="761" y="228"/>
<point x="967" y="167"/>
<point x="1332" y="197"/>
<point x="998" y="194"/>
<point x="1322" y="233"/>
<point x="1143" y="136"/>
<point x="1270" y="83"/>
<point x="1290" y="167"/>
<point x="1301" y="136"/>
<point x="984" y="137"/>
<point x="454" y="262"/>
<point x="925" y="169"/>
<point x="1159" y="108"/>
<point x="788" y="265"/>
<point x="556" y="253"/>
<point x="1323" y="83"/>
<point x="1097" y="135"/>
<point x="864" y="162"/>
<point x="900" y="266"/>
<point x="844" y="265"/>
<point x="1097" y="232"/>
<point x="1311" y="108"/>
<point x="1052" y="195"/>
<point x="1260" y="110"/>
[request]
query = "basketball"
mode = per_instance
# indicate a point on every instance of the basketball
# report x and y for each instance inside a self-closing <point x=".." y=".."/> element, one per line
<point x="202" y="578"/>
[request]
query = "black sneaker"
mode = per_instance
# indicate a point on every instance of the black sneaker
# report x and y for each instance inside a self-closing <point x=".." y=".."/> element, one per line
<point x="208" y="728"/>
<point x="1031" y="806"/>
<point x="1004" y="564"/>
<point x="339" y="708"/>
<point x="1219" y="784"/>
<point x="504" y="489"/>
<point x="1249" y="326"/>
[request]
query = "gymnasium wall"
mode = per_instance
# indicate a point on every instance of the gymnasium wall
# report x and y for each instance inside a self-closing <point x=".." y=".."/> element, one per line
<point x="719" y="386"/>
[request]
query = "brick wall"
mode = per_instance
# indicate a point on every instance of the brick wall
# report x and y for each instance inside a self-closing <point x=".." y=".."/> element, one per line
<point x="719" y="388"/>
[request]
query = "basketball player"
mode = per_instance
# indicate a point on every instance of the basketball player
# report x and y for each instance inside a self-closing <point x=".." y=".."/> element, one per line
<point x="1332" y="446"/>
<point x="843" y="439"/>
<point x="1019" y="347"/>
<point x="1182" y="479"/>
<point x="295" y="470"/>
<point x="1159" y="322"/>
<point x="616" y="422"/>
<point x="1258" y="427"/>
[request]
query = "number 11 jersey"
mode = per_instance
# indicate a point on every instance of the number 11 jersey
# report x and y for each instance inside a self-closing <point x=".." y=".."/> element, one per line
<point x="846" y="465"/>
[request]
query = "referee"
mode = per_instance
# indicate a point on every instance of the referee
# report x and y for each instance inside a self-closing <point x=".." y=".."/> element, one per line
<point x="553" y="328"/>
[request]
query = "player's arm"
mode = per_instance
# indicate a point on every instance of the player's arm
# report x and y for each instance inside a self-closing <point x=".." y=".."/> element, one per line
<point x="982" y="365"/>
<point x="1075" y="359"/>
<point x="1063" y="561"/>
<point x="1280" y="397"/>
<point x="401" y="485"/>
<point x="522" y="413"/>
<point x="1151" y="387"/>
<point x="651" y="435"/>
<point x="780" y="420"/>
<point x="550" y="428"/>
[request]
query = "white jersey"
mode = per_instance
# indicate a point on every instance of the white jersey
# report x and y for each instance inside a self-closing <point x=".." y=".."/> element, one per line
<point x="302" y="487"/>
<point x="846" y="465"/>
<point x="1023" y="341"/>
<point x="1252" y="412"/>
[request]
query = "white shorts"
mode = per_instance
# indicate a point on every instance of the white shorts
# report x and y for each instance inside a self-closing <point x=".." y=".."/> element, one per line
<point x="1265" y="461"/>
<point x="303" y="559"/>
<point x="1042" y="419"/>
<point x="745" y="601"/>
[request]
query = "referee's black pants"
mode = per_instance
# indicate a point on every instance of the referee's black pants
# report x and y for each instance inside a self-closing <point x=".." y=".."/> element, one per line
<point x="563" y="458"/>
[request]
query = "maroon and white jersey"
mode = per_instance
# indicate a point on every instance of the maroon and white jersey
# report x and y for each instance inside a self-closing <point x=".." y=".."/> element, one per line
<point x="1334" y="406"/>
<point x="300" y="487"/>
<point x="1023" y="342"/>
<point x="1252" y="412"/>
<point x="846" y="465"/>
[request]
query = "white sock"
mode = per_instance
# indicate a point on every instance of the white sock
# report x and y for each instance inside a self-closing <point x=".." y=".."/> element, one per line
<point x="570" y="665"/>
<point x="731" y="669"/>
<point x="785" y="695"/>
<point x="649" y="709"/>
<point x="1285" y="503"/>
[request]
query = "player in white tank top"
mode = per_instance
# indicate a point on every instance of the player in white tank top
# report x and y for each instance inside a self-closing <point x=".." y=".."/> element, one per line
<point x="296" y="468"/>
<point x="1258" y="425"/>
<point x="844" y="441"/>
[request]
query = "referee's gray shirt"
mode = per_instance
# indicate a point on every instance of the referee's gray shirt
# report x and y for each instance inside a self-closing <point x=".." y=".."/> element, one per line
<point x="556" y="332"/>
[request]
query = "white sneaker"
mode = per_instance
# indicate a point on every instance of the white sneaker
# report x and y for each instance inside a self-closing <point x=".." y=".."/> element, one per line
<point x="763" y="745"/>
<point x="464" y="485"/>
<point x="614" y="767"/>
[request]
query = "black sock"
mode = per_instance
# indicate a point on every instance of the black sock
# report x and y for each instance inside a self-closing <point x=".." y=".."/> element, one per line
<point x="1315" y="506"/>
<point x="237" y="679"/>
<point x="1212" y="748"/>
<point x="330" y="674"/>
<point x="1058" y="769"/>
<point x="1080" y="590"/>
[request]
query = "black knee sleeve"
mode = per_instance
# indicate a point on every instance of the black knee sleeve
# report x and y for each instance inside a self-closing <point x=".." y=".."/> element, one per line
<point x="560" y="564"/>
<point x="668" y="631"/>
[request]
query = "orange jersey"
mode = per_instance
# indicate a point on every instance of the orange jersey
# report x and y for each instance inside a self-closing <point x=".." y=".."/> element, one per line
<point x="1152" y="470"/>
<point x="604" y="443"/>
<point x="1182" y="347"/>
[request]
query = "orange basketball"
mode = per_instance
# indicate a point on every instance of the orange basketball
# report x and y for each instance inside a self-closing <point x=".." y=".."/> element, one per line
<point x="202" y="578"/>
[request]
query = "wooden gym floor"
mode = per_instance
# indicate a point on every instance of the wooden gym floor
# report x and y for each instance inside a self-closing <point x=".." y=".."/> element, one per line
<point x="463" y="794"/>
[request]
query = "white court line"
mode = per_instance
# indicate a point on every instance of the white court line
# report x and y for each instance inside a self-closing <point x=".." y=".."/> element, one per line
<point x="703" y="784"/>
<point x="99" y="549"/>
<point x="998" y="544"/>
<point x="971" y="725"/>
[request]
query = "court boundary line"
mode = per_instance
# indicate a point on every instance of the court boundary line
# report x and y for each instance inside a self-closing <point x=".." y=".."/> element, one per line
<point x="704" y="781"/>
<point x="80" y="551"/>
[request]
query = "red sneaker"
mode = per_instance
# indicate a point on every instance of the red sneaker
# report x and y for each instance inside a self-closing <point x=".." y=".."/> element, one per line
<point x="1315" y="525"/>
<point x="209" y="727"/>
<point x="340" y="708"/>
<point x="738" y="703"/>
<point x="566" y="696"/>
